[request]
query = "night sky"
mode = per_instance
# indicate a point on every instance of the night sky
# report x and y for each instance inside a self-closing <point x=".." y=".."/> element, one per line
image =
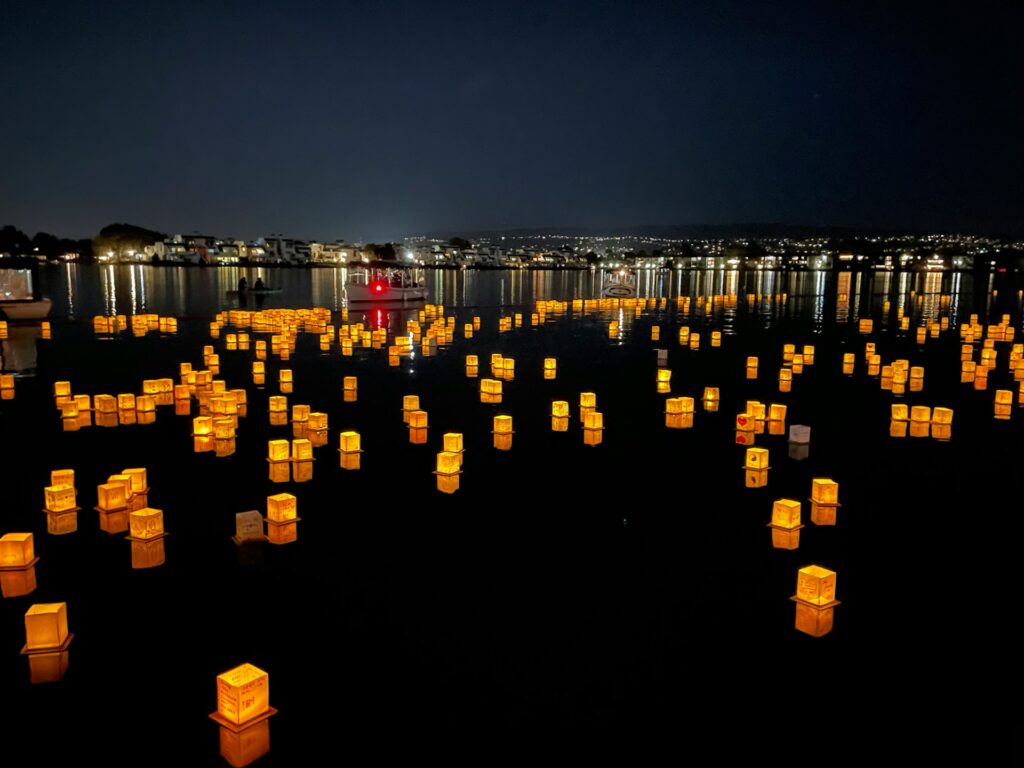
<point x="371" y="121"/>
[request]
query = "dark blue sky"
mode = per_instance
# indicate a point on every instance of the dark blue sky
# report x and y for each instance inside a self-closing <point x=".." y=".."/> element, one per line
<point x="380" y="119"/>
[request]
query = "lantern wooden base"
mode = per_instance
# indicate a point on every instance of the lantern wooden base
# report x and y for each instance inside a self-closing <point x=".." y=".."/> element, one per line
<point x="26" y="651"/>
<point x="68" y="511"/>
<point x="218" y="718"/>
<point x="103" y="511"/>
<point x="248" y="540"/>
<point x="147" y="539"/>
<point x="23" y="567"/>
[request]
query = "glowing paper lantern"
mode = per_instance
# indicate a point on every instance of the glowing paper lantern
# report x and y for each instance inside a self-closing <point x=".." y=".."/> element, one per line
<point x="824" y="491"/>
<point x="46" y="627"/>
<point x="146" y="523"/>
<point x="756" y="458"/>
<point x="243" y="696"/>
<point x="17" y="550"/>
<point x="448" y="468"/>
<point x="112" y="496"/>
<point x="550" y="367"/>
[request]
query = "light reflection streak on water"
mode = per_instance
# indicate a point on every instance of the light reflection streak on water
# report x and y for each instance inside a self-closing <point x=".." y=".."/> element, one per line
<point x="109" y="289"/>
<point x="954" y="300"/>
<point x="131" y="291"/>
<point x="843" y="297"/>
<point x="904" y="292"/>
<point x="71" y="291"/>
<point x="931" y="297"/>
<point x="818" y="307"/>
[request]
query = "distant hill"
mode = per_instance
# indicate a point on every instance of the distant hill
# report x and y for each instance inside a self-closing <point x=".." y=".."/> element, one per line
<point x="679" y="232"/>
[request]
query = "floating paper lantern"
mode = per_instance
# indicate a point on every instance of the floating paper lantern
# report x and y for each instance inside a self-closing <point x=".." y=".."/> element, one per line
<point x="786" y="514"/>
<point x="942" y="416"/>
<point x="126" y="402"/>
<point x="848" y="362"/>
<point x="716" y="338"/>
<point x="243" y="696"/>
<point x="46" y="627"/>
<point x="808" y="354"/>
<point x="278" y="450"/>
<point x="824" y="491"/>
<point x="777" y="412"/>
<point x="899" y="412"/>
<point x="593" y="426"/>
<point x="350" y="384"/>
<point x="448" y="471"/>
<point x="17" y="550"/>
<point x="816" y="585"/>
<point x="300" y="413"/>
<point x="146" y="523"/>
<point x="550" y="367"/>
<point x="317" y="421"/>
<point x="756" y="458"/>
<point x="866" y="326"/>
<point x="111" y="496"/>
<point x="920" y="413"/>
<point x="694" y="341"/>
<point x="282" y="508"/>
<point x="137" y="478"/>
<point x="302" y="450"/>
<point x="503" y="425"/>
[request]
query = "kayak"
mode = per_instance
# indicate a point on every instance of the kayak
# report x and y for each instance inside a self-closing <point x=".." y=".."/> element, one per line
<point x="260" y="292"/>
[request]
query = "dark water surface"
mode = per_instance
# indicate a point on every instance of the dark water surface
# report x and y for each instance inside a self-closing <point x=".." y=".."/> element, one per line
<point x="629" y="584"/>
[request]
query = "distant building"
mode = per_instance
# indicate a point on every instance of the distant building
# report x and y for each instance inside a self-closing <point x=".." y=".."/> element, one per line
<point x="333" y="253"/>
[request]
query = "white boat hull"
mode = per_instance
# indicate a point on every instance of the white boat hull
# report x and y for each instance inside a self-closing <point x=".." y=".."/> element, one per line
<point x="386" y="294"/>
<point x="26" y="310"/>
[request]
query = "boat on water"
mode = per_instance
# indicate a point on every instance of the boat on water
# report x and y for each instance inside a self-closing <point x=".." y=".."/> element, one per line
<point x="618" y="283"/>
<point x="386" y="283"/>
<point x="20" y="299"/>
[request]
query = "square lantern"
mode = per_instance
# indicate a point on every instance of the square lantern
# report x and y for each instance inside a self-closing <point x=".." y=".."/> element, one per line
<point x="59" y="498"/>
<point x="137" y="478"/>
<point x="920" y="413"/>
<point x="46" y="627"/>
<point x="300" y="413"/>
<point x="282" y="508"/>
<point x="350" y="384"/>
<point x="502" y="425"/>
<point x="899" y="412"/>
<point x="302" y="450"/>
<point x="448" y="463"/>
<point x="278" y="450"/>
<point x="417" y="419"/>
<point x="942" y="415"/>
<point x="898" y="428"/>
<point x="280" y="471"/>
<point x="17" y="550"/>
<point x="112" y="496"/>
<point x="756" y="458"/>
<point x="126" y="402"/>
<point x="776" y="412"/>
<point x="317" y="420"/>
<point x="816" y="585"/>
<point x="824" y="491"/>
<point x="202" y="443"/>
<point x="786" y="513"/>
<point x="243" y="694"/>
<point x="146" y="523"/>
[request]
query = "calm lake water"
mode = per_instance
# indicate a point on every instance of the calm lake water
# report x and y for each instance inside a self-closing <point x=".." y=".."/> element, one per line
<point x="629" y="584"/>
